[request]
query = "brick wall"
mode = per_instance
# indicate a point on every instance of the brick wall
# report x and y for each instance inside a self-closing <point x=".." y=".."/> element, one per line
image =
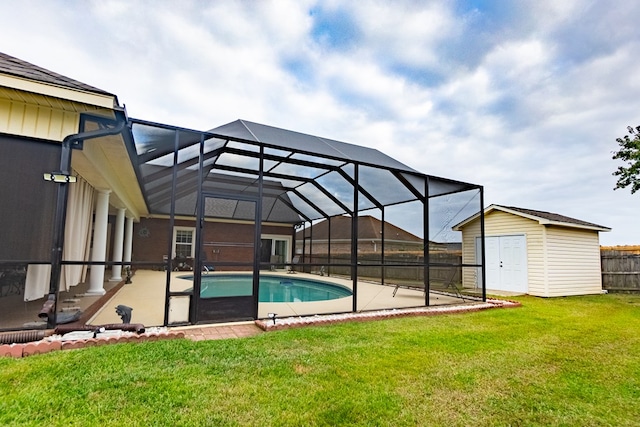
<point x="223" y="242"/>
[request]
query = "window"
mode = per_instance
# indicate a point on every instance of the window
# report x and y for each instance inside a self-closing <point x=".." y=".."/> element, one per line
<point x="277" y="248"/>
<point x="280" y="250"/>
<point x="183" y="242"/>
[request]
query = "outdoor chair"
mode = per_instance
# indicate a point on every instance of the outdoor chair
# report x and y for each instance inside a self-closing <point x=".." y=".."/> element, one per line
<point x="294" y="261"/>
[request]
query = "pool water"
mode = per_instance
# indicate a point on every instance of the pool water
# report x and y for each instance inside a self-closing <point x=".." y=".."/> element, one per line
<point x="272" y="288"/>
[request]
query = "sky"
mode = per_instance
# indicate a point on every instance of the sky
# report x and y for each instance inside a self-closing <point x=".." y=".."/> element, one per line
<point x="526" y="98"/>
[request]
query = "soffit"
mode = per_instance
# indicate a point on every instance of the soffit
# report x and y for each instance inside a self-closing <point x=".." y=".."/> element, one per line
<point x="105" y="164"/>
<point x="53" y="102"/>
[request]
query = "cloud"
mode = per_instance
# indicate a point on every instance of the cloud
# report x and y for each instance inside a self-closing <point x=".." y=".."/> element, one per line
<point x="526" y="98"/>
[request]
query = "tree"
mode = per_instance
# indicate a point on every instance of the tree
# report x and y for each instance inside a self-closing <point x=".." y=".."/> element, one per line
<point x="629" y="152"/>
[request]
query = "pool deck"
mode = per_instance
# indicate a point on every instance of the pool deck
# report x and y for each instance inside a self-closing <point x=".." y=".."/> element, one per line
<point x="146" y="296"/>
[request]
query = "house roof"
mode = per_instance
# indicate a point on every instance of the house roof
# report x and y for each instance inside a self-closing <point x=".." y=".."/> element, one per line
<point x="26" y="70"/>
<point x="26" y="83"/>
<point x="542" y="217"/>
<point x="369" y="228"/>
<point x="18" y="77"/>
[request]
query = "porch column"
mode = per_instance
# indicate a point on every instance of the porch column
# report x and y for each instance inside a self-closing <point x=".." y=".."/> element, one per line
<point x="128" y="239"/>
<point x="99" y="249"/>
<point x="118" y="241"/>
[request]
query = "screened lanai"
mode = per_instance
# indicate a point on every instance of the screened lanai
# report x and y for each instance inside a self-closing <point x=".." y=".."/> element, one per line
<point x="240" y="203"/>
<point x="241" y="222"/>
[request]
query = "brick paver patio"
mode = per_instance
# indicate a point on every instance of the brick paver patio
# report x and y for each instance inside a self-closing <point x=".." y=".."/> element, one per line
<point x="214" y="332"/>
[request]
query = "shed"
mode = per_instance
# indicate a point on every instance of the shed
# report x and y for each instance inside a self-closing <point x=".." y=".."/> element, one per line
<point x="533" y="252"/>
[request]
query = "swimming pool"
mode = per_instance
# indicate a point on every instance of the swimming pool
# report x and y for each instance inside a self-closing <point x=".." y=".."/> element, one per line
<point x="272" y="288"/>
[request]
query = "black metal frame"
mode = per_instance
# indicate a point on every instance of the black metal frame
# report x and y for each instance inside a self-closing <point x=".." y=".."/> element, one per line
<point x="203" y="174"/>
<point x="280" y="192"/>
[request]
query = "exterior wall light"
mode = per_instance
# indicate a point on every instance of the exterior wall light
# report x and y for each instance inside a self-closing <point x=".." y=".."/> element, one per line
<point x="59" y="177"/>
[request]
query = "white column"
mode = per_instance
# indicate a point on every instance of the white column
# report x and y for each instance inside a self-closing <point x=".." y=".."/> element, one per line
<point x="128" y="240"/>
<point x="118" y="241"/>
<point x="128" y="244"/>
<point x="99" y="249"/>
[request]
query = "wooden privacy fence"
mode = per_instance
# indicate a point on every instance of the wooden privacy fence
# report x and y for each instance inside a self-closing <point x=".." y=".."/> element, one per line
<point x="621" y="269"/>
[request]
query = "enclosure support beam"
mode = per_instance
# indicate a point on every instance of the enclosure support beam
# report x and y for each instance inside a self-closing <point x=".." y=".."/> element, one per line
<point x="174" y="179"/>
<point x="329" y="246"/>
<point x="425" y="219"/>
<point x="382" y="234"/>
<point x="61" y="208"/>
<point x="483" y="256"/>
<point x="354" y="241"/>
<point x="258" y="235"/>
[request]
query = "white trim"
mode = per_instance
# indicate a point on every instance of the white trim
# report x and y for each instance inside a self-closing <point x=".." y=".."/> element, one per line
<point x="193" y="240"/>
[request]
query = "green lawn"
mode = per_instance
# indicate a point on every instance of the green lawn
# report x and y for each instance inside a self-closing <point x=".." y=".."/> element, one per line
<point x="564" y="361"/>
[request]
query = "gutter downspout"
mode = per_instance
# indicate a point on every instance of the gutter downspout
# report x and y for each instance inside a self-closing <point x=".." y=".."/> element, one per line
<point x="50" y="306"/>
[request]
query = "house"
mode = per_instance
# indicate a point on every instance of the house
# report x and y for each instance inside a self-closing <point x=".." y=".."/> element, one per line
<point x="38" y="109"/>
<point x="336" y="234"/>
<point x="533" y="252"/>
<point x="88" y="193"/>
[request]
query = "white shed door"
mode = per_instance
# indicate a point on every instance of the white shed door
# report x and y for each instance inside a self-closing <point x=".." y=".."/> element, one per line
<point x="506" y="258"/>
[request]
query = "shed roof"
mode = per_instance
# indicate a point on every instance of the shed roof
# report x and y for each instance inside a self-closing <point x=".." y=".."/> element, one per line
<point x="542" y="217"/>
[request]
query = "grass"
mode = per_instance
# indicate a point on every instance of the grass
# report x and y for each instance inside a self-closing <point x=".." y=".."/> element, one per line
<point x="565" y="361"/>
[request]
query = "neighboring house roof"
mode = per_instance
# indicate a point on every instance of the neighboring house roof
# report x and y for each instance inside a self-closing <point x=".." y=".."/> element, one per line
<point x="369" y="228"/>
<point x="543" y="218"/>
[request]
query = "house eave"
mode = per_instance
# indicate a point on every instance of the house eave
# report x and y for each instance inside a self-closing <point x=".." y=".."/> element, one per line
<point x="47" y="89"/>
